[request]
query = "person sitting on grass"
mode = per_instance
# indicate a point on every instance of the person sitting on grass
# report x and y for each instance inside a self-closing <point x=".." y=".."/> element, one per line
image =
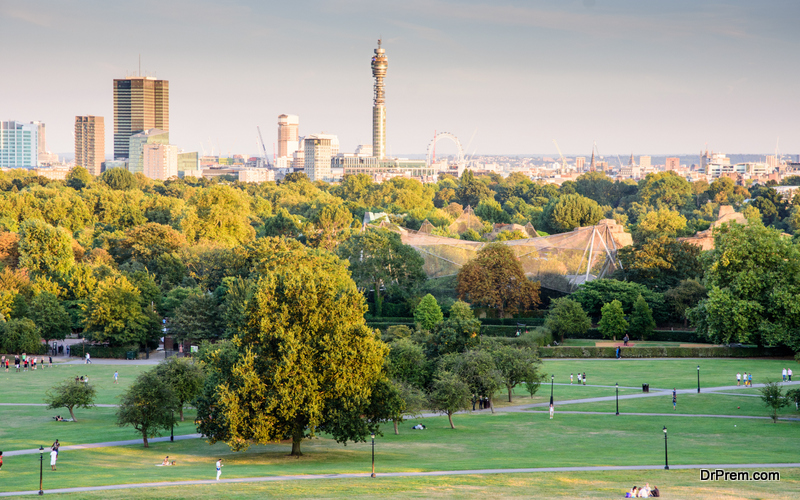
<point x="632" y="493"/>
<point x="166" y="460"/>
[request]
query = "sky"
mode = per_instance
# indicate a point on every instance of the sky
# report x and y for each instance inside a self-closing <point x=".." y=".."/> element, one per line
<point x="504" y="76"/>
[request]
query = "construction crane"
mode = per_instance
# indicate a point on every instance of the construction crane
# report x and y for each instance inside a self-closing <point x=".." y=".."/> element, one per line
<point x="563" y="160"/>
<point x="263" y="147"/>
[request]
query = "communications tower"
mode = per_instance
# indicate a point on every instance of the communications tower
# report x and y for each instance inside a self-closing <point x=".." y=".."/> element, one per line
<point x="379" y="65"/>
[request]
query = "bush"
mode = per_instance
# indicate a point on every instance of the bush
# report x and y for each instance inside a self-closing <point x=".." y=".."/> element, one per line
<point x="102" y="351"/>
<point x="663" y="352"/>
<point x="686" y="336"/>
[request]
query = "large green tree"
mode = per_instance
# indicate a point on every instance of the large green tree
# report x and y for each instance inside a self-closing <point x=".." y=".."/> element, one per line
<point x="569" y="211"/>
<point x="44" y="249"/>
<point x="148" y="406"/>
<point x="50" y="316"/>
<point x="184" y="376"/>
<point x="517" y="366"/>
<point x="449" y="394"/>
<point x="379" y="260"/>
<point x="595" y="294"/>
<point x="495" y="279"/>
<point x="70" y="394"/>
<point x="113" y="313"/>
<point x="612" y="323"/>
<point x="753" y="284"/>
<point x="306" y="361"/>
<point x="20" y="335"/>
<point x="566" y="318"/>
<point x="641" y="320"/>
<point x="428" y="314"/>
<point x="660" y="263"/>
<point x="470" y="190"/>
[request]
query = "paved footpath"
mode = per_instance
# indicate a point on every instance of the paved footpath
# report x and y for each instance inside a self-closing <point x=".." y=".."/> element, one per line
<point x="760" y="467"/>
<point x="87" y="446"/>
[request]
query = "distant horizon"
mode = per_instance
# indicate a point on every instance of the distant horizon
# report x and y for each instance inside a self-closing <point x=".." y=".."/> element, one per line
<point x="501" y="75"/>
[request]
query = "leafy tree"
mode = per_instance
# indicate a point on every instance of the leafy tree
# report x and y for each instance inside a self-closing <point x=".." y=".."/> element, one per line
<point x="184" y="376"/>
<point x="407" y="363"/>
<point x="78" y="178"/>
<point x="683" y="297"/>
<point x="147" y="242"/>
<point x="330" y="226"/>
<point x="283" y="224"/>
<point x="753" y="283"/>
<point x="428" y="314"/>
<point x="44" y="249"/>
<point x="566" y="318"/>
<point x="772" y="396"/>
<point x="378" y="259"/>
<point x="488" y="209"/>
<point x="594" y="294"/>
<point x="642" y="319"/>
<point x="794" y="395"/>
<point x="470" y="190"/>
<point x="50" y="316"/>
<point x="495" y="278"/>
<point x="70" y="394"/>
<point x="415" y="400"/>
<point x="20" y="335"/>
<point x="665" y="189"/>
<point x="662" y="222"/>
<point x="119" y="178"/>
<point x="148" y="406"/>
<point x="222" y="215"/>
<point x="612" y="322"/>
<point x="596" y="186"/>
<point x="517" y="366"/>
<point x="113" y="313"/>
<point x="386" y="404"/>
<point x="197" y="318"/>
<point x="306" y="362"/>
<point x="478" y="369"/>
<point x="449" y="395"/>
<point x="567" y="212"/>
<point x="660" y="263"/>
<point x="458" y="333"/>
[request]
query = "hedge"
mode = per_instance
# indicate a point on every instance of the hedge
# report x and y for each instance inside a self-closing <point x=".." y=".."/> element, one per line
<point x="663" y="352"/>
<point x="687" y="336"/>
<point x="102" y="351"/>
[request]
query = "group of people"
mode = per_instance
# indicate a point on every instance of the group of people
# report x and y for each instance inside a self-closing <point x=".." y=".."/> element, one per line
<point x="581" y="378"/>
<point x="747" y="378"/>
<point x="167" y="461"/>
<point x="787" y="373"/>
<point x="82" y="378"/>
<point x="22" y="364"/>
<point x="643" y="492"/>
<point x="483" y="402"/>
<point x="54" y="454"/>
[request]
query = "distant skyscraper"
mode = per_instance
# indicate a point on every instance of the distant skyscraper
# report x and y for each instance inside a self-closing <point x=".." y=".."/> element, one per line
<point x="644" y="162"/>
<point x="319" y="148"/>
<point x="19" y="144"/>
<point x="42" y="144"/>
<point x="159" y="161"/>
<point x="580" y="161"/>
<point x="140" y="103"/>
<point x="379" y="65"/>
<point x="136" y="144"/>
<point x="672" y="163"/>
<point x="288" y="139"/>
<point x="90" y="143"/>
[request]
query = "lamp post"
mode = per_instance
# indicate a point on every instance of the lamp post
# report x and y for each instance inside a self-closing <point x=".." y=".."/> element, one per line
<point x="698" y="379"/>
<point x="172" y="426"/>
<point x="666" y="455"/>
<point x="373" y="455"/>
<point x="617" y="387"/>
<point x="552" y="378"/>
<point x="41" y="462"/>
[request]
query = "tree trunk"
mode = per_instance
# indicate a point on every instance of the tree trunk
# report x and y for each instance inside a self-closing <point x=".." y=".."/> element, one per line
<point x="297" y="437"/>
<point x="144" y="437"/>
<point x="450" y="418"/>
<point x="181" y="413"/>
<point x="491" y="404"/>
<point x="378" y="300"/>
<point x="72" y="414"/>
<point x="396" y="433"/>
<point x="509" y="393"/>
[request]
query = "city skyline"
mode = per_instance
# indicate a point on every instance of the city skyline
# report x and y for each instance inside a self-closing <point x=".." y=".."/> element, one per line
<point x="506" y="78"/>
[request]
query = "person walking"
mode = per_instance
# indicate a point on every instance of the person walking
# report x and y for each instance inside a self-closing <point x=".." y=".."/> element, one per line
<point x="116" y="376"/>
<point x="750" y="379"/>
<point x="790" y="372"/>
<point x="579" y="378"/>
<point x="570" y="378"/>
<point x="16" y="362"/>
<point x="674" y="399"/>
<point x="625" y="340"/>
<point x="584" y="378"/>
<point x="738" y="378"/>
<point x="618" y="352"/>
<point x="552" y="411"/>
<point x="784" y="374"/>
<point x="219" y="468"/>
<point x="53" y="458"/>
<point x="55" y="446"/>
<point x="88" y="359"/>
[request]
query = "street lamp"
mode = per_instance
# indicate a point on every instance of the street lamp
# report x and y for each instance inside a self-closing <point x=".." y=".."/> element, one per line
<point x="172" y="426"/>
<point x="552" y="378"/>
<point x="666" y="455"/>
<point x="373" y="455"/>
<point x="617" y="386"/>
<point x="41" y="461"/>
<point x="698" y="379"/>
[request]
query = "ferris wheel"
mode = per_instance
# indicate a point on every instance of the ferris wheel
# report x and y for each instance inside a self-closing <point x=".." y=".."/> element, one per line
<point x="445" y="135"/>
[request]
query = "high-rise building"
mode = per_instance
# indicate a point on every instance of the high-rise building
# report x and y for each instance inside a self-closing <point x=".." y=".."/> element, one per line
<point x="379" y="65"/>
<point x="159" y="161"/>
<point x="318" y="152"/>
<point x="580" y="161"/>
<point x="42" y="144"/>
<point x="136" y="144"/>
<point x="288" y="139"/>
<point x="672" y="163"/>
<point x="644" y="162"/>
<point x="140" y="103"/>
<point x="90" y="143"/>
<point x="19" y="144"/>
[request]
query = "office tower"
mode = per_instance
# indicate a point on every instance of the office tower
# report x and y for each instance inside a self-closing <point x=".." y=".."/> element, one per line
<point x="19" y="143"/>
<point x="672" y="163"/>
<point x="140" y="103"/>
<point x="41" y="145"/>
<point x="644" y="162"/>
<point x="580" y="161"/>
<point x="288" y="141"/>
<point x="90" y="143"/>
<point x="318" y="152"/>
<point x="379" y="65"/>
<point x="159" y="161"/>
<point x="136" y="144"/>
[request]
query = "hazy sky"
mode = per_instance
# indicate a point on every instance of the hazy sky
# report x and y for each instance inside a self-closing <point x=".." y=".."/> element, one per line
<point x="637" y="76"/>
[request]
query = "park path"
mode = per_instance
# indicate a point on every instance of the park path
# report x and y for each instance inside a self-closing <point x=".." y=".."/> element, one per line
<point x="363" y="475"/>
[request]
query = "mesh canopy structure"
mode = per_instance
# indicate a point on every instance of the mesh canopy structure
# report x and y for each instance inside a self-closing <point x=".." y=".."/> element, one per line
<point x="560" y="262"/>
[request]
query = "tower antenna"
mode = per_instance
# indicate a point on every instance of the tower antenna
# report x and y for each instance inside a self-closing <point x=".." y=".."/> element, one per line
<point x="140" y="65"/>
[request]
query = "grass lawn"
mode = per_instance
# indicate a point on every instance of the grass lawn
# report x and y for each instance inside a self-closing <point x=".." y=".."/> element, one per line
<point x="706" y="404"/>
<point x="591" y="485"/>
<point x="665" y="373"/>
<point x="509" y="440"/>
<point x="30" y="386"/>
<point x="575" y="391"/>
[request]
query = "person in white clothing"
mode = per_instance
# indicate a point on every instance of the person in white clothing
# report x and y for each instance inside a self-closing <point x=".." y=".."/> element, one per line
<point x="88" y="359"/>
<point x="579" y="378"/>
<point x="784" y="374"/>
<point x="219" y="468"/>
<point x="738" y="378"/>
<point x="790" y="374"/>
<point x="53" y="458"/>
<point x="552" y="411"/>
